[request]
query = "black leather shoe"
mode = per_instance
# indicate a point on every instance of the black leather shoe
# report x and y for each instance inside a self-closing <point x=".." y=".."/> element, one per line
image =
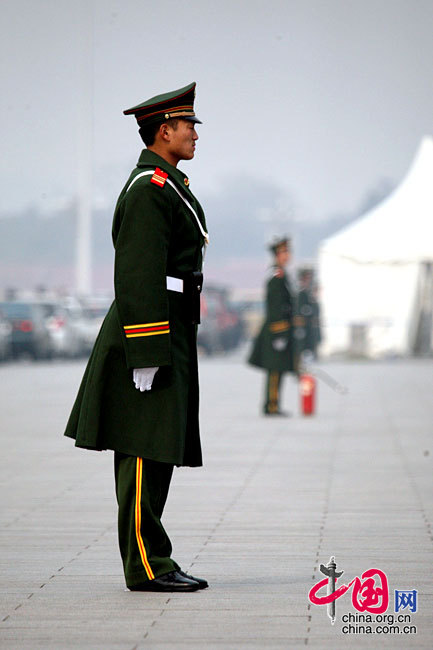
<point x="202" y="583"/>
<point x="173" y="581"/>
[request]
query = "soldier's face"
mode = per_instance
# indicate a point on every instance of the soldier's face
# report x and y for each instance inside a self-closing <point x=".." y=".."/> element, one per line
<point x="282" y="257"/>
<point x="182" y="140"/>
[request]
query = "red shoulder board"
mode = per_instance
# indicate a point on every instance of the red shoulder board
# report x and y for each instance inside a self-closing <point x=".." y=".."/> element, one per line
<point x="159" y="177"/>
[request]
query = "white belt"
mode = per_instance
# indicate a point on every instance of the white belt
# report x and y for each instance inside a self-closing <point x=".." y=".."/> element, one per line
<point x="174" y="284"/>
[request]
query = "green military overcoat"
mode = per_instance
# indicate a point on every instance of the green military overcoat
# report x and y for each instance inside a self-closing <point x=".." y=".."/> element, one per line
<point x="273" y="347"/>
<point x="155" y="235"/>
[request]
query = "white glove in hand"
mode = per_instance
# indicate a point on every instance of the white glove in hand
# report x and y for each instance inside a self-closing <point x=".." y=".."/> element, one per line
<point x="143" y="378"/>
<point x="279" y="344"/>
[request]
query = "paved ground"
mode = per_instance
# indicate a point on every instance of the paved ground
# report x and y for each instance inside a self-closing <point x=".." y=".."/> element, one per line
<point x="276" y="498"/>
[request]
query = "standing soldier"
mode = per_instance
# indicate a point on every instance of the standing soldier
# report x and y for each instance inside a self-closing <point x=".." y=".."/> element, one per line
<point x="316" y="327"/>
<point x="273" y="348"/>
<point x="139" y="393"/>
<point x="307" y="319"/>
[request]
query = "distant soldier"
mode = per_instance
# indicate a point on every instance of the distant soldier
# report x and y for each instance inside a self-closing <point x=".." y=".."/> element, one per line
<point x="273" y="348"/>
<point x="316" y="327"/>
<point x="307" y="319"/>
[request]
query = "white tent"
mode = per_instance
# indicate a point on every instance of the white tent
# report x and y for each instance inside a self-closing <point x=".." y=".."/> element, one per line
<point x="376" y="275"/>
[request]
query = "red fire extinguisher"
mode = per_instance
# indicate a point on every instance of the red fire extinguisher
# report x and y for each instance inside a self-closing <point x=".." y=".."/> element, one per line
<point x="307" y="386"/>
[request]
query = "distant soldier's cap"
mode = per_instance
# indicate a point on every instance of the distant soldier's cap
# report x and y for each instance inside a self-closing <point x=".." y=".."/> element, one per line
<point x="279" y="243"/>
<point x="178" y="103"/>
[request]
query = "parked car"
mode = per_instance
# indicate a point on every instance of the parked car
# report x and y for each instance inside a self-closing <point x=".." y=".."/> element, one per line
<point x="94" y="311"/>
<point x="74" y="324"/>
<point x="249" y="304"/>
<point x="221" y="326"/>
<point x="208" y="336"/>
<point x="62" y="328"/>
<point x="5" y="337"/>
<point x="29" y="333"/>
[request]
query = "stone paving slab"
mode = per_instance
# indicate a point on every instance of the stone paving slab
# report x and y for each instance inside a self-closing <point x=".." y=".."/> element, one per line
<point x="276" y="498"/>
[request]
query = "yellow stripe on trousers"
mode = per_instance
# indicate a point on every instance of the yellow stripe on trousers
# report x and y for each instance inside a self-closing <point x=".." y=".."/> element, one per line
<point x="273" y="391"/>
<point x="139" y="473"/>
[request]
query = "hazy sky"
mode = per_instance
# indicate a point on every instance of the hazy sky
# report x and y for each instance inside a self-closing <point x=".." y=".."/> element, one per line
<point x="321" y="97"/>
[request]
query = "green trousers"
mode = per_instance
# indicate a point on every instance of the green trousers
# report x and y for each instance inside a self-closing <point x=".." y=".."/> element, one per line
<point x="272" y="392"/>
<point x="141" y="489"/>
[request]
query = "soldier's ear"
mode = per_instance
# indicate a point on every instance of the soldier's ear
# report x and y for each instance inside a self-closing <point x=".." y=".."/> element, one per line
<point x="164" y="131"/>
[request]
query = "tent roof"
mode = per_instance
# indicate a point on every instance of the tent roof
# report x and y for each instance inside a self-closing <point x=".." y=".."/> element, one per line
<point x="400" y="228"/>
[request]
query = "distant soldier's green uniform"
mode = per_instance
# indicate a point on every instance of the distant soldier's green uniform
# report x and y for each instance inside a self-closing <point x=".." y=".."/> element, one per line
<point x="158" y="243"/>
<point x="307" y="319"/>
<point x="273" y="348"/>
<point x="316" y="332"/>
<point x="303" y="321"/>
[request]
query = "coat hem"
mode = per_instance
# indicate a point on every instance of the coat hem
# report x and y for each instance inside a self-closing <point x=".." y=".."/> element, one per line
<point x="176" y="461"/>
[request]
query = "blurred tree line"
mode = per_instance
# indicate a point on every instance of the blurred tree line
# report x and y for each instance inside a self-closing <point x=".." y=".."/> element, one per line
<point x="235" y="220"/>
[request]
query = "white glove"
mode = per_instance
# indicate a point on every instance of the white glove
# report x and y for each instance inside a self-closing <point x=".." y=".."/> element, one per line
<point x="143" y="378"/>
<point x="279" y="344"/>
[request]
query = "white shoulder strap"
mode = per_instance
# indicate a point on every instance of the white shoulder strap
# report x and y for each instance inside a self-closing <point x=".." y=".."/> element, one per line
<point x="139" y="176"/>
<point x="202" y="230"/>
<point x="151" y="172"/>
